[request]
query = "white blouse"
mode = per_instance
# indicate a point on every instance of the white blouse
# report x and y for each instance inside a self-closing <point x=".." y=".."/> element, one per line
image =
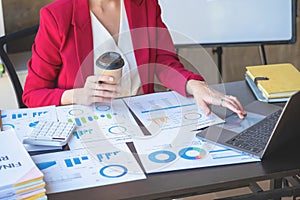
<point x="104" y="42"/>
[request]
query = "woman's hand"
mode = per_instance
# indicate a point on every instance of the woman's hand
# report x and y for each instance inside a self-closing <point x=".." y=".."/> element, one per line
<point x="96" y="89"/>
<point x="204" y="96"/>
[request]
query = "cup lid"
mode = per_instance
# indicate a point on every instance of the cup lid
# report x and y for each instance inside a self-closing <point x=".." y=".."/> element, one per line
<point x="110" y="61"/>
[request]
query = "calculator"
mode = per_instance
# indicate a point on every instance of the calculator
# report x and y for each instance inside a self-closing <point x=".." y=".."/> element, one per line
<point x="50" y="133"/>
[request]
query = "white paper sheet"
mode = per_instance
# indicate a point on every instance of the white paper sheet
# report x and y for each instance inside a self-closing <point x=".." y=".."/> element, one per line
<point x="99" y="164"/>
<point x="169" y="110"/>
<point x="102" y="121"/>
<point x="25" y="119"/>
<point x="168" y="152"/>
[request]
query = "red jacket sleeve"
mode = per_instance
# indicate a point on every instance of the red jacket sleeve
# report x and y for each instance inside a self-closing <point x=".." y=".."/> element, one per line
<point x="44" y="66"/>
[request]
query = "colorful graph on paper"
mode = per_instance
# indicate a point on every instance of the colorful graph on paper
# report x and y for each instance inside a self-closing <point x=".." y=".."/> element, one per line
<point x="169" y="152"/>
<point x="95" y="166"/>
<point x="25" y="119"/>
<point x="169" y="110"/>
<point x="102" y="121"/>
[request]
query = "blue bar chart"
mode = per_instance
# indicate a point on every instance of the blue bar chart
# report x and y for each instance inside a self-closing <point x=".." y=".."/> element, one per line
<point x="80" y="133"/>
<point x="71" y="162"/>
<point x="107" y="156"/>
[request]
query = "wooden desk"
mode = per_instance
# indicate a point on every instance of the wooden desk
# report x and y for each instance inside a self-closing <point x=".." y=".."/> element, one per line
<point x="182" y="183"/>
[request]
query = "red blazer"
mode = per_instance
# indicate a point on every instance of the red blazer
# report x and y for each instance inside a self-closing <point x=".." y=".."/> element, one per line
<point x="62" y="54"/>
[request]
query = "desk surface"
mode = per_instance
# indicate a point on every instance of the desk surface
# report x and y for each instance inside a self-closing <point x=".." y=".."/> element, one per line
<point x="195" y="181"/>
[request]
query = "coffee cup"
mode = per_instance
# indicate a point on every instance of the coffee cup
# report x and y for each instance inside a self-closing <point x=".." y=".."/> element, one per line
<point x="110" y="64"/>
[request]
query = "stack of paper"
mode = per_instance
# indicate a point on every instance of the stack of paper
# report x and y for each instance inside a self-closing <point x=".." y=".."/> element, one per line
<point x="19" y="176"/>
<point x="275" y="82"/>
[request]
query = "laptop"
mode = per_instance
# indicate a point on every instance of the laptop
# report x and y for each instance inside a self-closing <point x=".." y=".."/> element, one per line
<point x="265" y="129"/>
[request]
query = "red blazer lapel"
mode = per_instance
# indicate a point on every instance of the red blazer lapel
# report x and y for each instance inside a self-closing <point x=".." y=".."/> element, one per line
<point x="83" y="40"/>
<point x="138" y="23"/>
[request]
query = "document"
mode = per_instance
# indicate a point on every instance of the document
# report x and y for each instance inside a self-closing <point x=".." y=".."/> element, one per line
<point x="19" y="175"/>
<point x="99" y="164"/>
<point x="169" y="110"/>
<point x="169" y="152"/>
<point x="24" y="120"/>
<point x="102" y="121"/>
<point x="172" y="121"/>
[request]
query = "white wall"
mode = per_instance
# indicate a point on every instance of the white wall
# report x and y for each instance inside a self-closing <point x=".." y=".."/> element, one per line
<point x="2" y="31"/>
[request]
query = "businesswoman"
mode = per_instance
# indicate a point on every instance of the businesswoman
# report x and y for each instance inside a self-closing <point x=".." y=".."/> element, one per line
<point x="73" y="33"/>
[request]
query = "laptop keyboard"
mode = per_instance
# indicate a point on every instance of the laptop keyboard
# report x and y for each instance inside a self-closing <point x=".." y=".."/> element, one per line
<point x="255" y="138"/>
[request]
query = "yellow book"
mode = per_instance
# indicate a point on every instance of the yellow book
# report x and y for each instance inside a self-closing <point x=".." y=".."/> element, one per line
<point x="275" y="80"/>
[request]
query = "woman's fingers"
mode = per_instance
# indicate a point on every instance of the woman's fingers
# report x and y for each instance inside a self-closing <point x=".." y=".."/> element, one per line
<point x="100" y="79"/>
<point x="233" y="104"/>
<point x="105" y="93"/>
<point x="235" y="100"/>
<point x="107" y="87"/>
<point x="97" y="89"/>
<point x="205" y="96"/>
<point x="203" y="106"/>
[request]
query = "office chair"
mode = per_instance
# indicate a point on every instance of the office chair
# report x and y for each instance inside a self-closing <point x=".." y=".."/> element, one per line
<point x="8" y="65"/>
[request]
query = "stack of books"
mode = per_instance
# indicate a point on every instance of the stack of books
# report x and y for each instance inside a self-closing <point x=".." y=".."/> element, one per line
<point x="19" y="176"/>
<point x="274" y="82"/>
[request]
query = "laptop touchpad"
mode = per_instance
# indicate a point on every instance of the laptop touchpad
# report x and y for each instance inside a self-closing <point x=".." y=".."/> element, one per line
<point x="235" y="124"/>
